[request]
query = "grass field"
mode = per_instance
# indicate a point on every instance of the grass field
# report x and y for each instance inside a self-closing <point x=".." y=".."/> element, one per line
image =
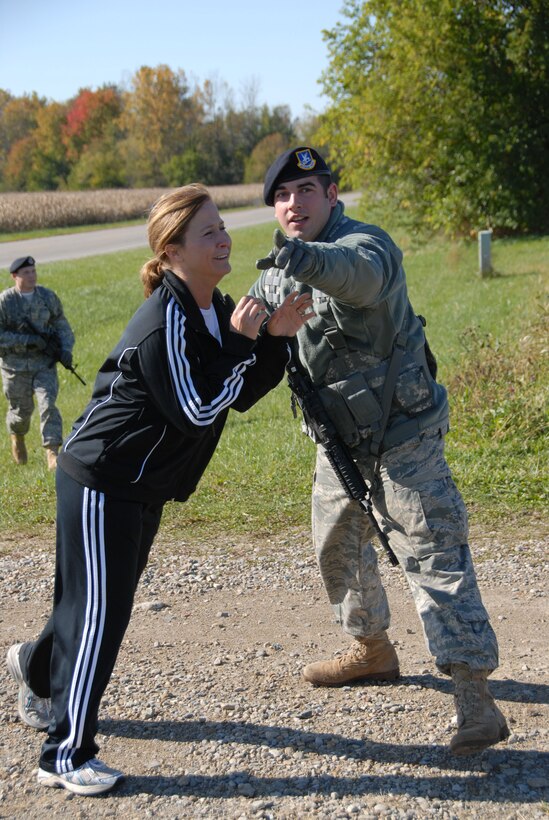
<point x="490" y="337"/>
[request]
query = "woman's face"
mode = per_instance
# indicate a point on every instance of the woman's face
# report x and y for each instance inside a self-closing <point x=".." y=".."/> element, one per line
<point x="206" y="247"/>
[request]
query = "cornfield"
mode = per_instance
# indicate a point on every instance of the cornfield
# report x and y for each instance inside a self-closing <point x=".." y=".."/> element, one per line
<point x="60" y="209"/>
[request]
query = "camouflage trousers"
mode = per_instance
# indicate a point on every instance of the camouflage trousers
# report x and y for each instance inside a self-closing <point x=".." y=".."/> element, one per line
<point x="420" y="509"/>
<point x="20" y="388"/>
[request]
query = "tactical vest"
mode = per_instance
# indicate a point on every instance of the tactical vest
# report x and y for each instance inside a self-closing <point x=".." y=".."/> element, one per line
<point x="380" y="402"/>
<point x="373" y="374"/>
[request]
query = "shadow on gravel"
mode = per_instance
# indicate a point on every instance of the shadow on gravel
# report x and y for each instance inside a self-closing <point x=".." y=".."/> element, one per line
<point x="490" y="776"/>
<point x="508" y="689"/>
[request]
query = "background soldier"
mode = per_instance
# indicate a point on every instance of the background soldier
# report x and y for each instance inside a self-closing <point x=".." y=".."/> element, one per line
<point x="366" y="352"/>
<point x="34" y="334"/>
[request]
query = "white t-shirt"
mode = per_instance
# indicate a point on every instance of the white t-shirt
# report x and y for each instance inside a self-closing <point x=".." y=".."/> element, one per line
<point x="210" y="317"/>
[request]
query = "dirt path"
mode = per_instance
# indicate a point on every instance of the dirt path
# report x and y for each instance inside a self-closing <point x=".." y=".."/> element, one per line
<point x="207" y="715"/>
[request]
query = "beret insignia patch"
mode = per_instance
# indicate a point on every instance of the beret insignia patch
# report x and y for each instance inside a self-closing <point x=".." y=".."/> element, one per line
<point x="305" y="160"/>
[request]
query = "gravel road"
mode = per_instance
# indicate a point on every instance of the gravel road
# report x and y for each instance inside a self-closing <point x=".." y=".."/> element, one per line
<point x="207" y="715"/>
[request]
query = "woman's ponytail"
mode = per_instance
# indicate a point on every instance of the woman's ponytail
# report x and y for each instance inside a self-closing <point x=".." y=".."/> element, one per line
<point x="152" y="274"/>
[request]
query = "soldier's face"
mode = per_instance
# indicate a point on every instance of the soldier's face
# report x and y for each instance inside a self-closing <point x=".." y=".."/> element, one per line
<point x="25" y="279"/>
<point x="303" y="207"/>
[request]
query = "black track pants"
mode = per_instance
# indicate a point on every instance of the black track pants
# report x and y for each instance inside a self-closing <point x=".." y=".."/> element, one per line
<point x="103" y="545"/>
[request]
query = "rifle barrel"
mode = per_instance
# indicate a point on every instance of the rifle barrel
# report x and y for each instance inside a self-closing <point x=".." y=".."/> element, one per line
<point x="337" y="452"/>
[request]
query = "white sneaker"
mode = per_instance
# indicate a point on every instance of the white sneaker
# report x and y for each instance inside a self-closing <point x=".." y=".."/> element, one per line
<point x="33" y="711"/>
<point x="93" y="777"/>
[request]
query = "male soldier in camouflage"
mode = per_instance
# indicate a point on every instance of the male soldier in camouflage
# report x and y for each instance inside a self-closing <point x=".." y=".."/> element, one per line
<point x="394" y="418"/>
<point x="32" y="325"/>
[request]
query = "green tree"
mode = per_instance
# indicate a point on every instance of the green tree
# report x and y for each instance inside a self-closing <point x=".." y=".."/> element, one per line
<point x="100" y="164"/>
<point x="440" y="110"/>
<point x="49" y="165"/>
<point x="222" y="135"/>
<point x="263" y="155"/>
<point x="181" y="169"/>
<point x="307" y="127"/>
<point x="230" y="132"/>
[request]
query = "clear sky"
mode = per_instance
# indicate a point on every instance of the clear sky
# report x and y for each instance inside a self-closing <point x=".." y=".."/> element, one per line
<point x="56" y="47"/>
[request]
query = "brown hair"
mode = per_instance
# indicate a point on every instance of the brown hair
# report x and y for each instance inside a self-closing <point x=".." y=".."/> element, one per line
<point x="168" y="220"/>
<point x="325" y="181"/>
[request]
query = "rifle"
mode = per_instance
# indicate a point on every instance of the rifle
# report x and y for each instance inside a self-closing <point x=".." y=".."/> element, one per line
<point x="53" y="348"/>
<point x="337" y="452"/>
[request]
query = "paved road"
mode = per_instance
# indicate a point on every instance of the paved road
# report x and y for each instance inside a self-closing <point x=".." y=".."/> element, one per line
<point x="112" y="240"/>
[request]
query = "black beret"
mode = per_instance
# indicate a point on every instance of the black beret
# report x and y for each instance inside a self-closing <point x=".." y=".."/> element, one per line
<point x="293" y="164"/>
<point x="22" y="262"/>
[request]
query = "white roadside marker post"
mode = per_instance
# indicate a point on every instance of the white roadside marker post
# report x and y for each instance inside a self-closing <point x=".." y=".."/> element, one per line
<point x="485" y="253"/>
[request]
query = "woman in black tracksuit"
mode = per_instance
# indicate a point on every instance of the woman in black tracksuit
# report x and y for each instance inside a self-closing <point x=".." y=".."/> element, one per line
<point x="158" y="408"/>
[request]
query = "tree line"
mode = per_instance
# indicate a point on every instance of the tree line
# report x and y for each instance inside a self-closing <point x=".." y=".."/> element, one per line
<point x="160" y="131"/>
<point x="438" y="110"/>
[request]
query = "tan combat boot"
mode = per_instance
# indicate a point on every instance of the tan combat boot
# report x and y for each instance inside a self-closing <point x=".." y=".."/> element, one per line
<point x="480" y="722"/>
<point x="18" y="449"/>
<point x="51" y="457"/>
<point x="372" y="658"/>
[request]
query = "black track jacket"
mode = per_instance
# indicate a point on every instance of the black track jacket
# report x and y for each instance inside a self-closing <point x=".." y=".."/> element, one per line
<point x="161" y="399"/>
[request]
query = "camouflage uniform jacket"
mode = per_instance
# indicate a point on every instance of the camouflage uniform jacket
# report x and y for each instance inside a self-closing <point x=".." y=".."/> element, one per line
<point x="18" y="348"/>
<point x="354" y="271"/>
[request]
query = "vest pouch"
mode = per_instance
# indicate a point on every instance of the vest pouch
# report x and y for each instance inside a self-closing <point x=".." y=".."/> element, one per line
<point x="352" y="407"/>
<point x="413" y="393"/>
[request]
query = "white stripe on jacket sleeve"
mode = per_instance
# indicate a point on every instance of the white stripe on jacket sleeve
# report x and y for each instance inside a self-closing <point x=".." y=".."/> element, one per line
<point x="188" y="396"/>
